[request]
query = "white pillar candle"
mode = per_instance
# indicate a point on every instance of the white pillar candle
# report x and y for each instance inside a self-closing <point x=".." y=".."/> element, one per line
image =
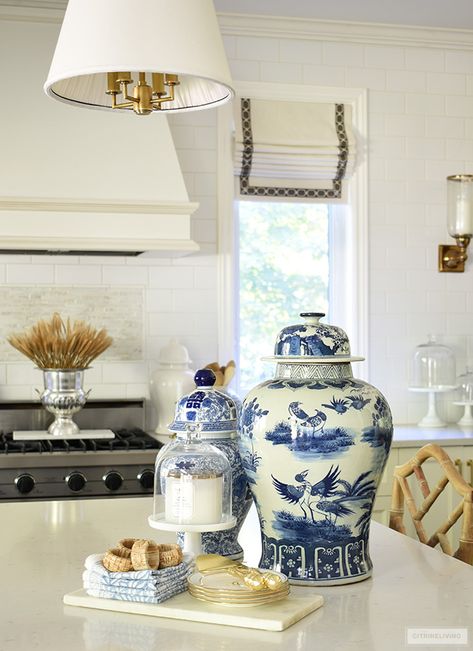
<point x="194" y="499"/>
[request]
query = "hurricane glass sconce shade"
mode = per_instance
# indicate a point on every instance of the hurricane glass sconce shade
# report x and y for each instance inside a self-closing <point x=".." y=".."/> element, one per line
<point x="172" y="54"/>
<point x="459" y="222"/>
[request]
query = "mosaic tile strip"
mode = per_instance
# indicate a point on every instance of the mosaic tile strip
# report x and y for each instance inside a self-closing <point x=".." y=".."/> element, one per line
<point x="119" y="309"/>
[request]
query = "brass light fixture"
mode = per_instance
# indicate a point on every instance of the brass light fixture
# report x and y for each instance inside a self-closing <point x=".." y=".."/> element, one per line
<point x="146" y="98"/>
<point x="452" y="257"/>
<point x="172" y="52"/>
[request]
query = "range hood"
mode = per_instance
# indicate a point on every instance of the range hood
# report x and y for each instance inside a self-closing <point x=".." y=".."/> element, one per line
<point x="75" y="181"/>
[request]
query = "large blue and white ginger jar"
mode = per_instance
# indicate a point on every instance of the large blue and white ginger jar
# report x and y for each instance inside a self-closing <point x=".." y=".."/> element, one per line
<point x="216" y="413"/>
<point x="314" y="443"/>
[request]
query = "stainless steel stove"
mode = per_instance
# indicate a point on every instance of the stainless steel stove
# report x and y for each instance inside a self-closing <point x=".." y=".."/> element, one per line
<point x="79" y="468"/>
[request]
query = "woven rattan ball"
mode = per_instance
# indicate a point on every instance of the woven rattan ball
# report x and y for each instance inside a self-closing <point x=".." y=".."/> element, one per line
<point x="145" y="555"/>
<point x="169" y="555"/>
<point x="117" y="560"/>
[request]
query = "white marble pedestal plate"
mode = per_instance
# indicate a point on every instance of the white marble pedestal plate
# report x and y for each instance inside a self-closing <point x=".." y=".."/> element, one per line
<point x="192" y="532"/>
<point x="432" y="419"/>
<point x="467" y="419"/>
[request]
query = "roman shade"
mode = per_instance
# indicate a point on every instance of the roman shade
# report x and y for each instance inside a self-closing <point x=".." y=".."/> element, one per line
<point x="285" y="150"/>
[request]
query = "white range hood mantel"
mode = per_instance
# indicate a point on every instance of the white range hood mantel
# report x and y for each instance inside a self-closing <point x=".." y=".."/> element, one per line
<point x="59" y="226"/>
<point x="73" y="179"/>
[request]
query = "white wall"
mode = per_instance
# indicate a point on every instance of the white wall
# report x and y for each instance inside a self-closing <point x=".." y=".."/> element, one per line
<point x="421" y="130"/>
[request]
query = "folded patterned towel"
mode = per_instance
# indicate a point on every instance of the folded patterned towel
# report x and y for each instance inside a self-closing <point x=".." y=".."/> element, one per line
<point x="149" y="586"/>
<point x="92" y="580"/>
<point x="142" y="579"/>
<point x="108" y="593"/>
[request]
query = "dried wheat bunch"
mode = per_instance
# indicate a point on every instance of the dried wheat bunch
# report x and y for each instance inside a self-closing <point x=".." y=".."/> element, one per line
<point x="59" y="344"/>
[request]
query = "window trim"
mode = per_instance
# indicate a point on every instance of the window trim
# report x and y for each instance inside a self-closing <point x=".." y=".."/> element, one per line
<point x="354" y="251"/>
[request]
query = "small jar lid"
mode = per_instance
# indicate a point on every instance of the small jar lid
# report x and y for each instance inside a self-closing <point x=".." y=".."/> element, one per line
<point x="174" y="353"/>
<point x="312" y="339"/>
<point x="213" y="410"/>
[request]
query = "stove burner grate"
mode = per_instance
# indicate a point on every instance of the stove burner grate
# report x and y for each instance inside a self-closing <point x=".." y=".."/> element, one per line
<point x="125" y="439"/>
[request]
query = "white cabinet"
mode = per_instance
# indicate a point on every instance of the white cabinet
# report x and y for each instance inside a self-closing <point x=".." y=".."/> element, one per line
<point x="466" y="464"/>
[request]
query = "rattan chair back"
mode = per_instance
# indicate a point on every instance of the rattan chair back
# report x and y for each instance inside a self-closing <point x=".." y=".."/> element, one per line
<point x="402" y="494"/>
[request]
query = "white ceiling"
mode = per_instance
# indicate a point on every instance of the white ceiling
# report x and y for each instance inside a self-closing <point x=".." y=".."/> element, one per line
<point x="453" y="14"/>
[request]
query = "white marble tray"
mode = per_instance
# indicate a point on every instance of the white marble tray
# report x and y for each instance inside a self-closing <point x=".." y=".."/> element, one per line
<point x="271" y="617"/>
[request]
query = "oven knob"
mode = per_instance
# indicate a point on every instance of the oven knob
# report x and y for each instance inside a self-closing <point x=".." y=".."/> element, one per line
<point x="24" y="483"/>
<point x="76" y="481"/>
<point x="113" y="480"/>
<point x="146" y="478"/>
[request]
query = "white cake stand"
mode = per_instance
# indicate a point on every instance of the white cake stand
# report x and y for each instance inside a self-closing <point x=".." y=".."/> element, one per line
<point x="431" y="419"/>
<point x="467" y="419"/>
<point x="192" y="532"/>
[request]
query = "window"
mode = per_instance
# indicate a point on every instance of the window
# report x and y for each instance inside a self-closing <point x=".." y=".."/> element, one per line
<point x="334" y="231"/>
<point x="283" y="264"/>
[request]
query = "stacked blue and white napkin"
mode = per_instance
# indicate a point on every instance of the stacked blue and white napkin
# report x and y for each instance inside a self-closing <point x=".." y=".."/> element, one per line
<point x="149" y="586"/>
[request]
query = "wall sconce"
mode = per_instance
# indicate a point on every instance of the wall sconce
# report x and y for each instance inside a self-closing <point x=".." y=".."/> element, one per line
<point x="459" y="222"/>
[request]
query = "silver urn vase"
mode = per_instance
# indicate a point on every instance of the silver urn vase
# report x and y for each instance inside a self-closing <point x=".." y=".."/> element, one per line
<point x="63" y="396"/>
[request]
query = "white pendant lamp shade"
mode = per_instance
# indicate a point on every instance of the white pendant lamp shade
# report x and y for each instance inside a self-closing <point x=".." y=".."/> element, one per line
<point x="179" y="37"/>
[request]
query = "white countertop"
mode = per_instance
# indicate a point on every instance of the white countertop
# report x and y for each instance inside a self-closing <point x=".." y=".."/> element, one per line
<point x="406" y="436"/>
<point x="44" y="544"/>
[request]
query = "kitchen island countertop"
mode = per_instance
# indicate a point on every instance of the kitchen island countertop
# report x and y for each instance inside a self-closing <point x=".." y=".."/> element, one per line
<point x="44" y="545"/>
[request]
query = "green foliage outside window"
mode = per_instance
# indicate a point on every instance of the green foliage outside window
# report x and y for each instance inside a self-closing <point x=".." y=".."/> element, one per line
<point x="283" y="270"/>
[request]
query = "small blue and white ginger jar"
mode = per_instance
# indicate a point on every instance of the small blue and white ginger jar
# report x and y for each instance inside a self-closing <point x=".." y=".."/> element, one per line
<point x="216" y="413"/>
<point x="314" y="442"/>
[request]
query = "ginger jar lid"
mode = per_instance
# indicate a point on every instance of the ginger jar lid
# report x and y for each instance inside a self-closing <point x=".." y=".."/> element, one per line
<point x="213" y="410"/>
<point x="312" y="341"/>
<point x="174" y="353"/>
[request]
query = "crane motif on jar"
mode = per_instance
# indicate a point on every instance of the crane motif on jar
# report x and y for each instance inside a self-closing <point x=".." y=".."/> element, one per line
<point x="314" y="444"/>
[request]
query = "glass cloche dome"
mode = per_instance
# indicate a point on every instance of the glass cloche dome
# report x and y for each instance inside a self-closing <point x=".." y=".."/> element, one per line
<point x="464" y="396"/>
<point x="195" y="479"/>
<point x="464" y="393"/>
<point x="433" y="365"/>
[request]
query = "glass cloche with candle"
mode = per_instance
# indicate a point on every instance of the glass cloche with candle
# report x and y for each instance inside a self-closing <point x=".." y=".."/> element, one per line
<point x="217" y="417"/>
<point x="193" y="476"/>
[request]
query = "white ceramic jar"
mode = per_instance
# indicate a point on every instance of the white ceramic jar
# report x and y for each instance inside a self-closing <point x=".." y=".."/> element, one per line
<point x="169" y="382"/>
